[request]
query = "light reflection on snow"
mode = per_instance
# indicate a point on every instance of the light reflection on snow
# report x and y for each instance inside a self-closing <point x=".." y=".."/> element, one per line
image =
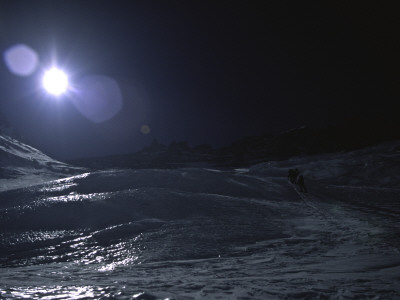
<point x="80" y="176"/>
<point x="120" y="254"/>
<point x="77" y="197"/>
<point x="57" y="292"/>
<point x="58" y="188"/>
<point x="127" y="261"/>
<point x="35" y="236"/>
<point x="63" y="184"/>
<point x="73" y="197"/>
<point x="177" y="231"/>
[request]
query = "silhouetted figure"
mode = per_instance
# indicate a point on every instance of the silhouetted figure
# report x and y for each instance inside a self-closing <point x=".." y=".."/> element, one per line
<point x="296" y="173"/>
<point x="292" y="175"/>
<point x="302" y="186"/>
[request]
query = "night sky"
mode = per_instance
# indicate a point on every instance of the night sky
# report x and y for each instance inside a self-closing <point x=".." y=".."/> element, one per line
<point x="202" y="71"/>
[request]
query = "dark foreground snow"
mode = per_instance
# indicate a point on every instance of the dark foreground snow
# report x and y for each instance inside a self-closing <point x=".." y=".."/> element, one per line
<point x="202" y="233"/>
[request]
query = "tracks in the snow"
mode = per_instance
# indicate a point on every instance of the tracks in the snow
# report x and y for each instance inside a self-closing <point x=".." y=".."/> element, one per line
<point x="307" y="201"/>
<point x="384" y="202"/>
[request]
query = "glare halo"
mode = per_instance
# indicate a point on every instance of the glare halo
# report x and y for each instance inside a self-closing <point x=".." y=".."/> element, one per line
<point x="55" y="81"/>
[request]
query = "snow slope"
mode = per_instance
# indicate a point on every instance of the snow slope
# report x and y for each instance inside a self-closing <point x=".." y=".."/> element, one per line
<point x="198" y="233"/>
<point x="377" y="166"/>
<point x="22" y="165"/>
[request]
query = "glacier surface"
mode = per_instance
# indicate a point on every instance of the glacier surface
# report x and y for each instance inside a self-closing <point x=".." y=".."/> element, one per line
<point x="204" y="233"/>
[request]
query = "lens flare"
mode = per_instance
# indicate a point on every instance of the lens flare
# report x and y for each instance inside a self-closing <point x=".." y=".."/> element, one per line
<point x="21" y="60"/>
<point x="55" y="81"/>
<point x="99" y="98"/>
<point x="145" y="129"/>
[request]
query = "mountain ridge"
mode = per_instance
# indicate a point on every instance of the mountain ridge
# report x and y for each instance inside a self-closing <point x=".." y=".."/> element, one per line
<point x="350" y="135"/>
<point x="22" y="165"/>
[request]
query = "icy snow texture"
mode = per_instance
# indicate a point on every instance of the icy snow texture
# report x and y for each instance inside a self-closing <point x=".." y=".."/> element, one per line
<point x="22" y="165"/>
<point x="208" y="234"/>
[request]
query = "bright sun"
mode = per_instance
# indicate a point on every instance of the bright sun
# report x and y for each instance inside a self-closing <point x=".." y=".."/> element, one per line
<point x="55" y="81"/>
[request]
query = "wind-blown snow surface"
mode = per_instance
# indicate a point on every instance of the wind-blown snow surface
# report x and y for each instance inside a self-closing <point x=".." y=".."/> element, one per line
<point x="22" y="165"/>
<point x="202" y="233"/>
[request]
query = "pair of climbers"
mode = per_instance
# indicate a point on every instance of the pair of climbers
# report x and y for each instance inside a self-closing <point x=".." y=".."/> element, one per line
<point x="296" y="178"/>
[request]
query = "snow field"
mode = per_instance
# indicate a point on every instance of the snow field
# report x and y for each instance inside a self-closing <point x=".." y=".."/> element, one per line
<point x="202" y="233"/>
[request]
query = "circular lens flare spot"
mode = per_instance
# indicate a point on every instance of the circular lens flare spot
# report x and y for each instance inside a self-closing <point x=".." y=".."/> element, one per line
<point x="99" y="98"/>
<point x="21" y="60"/>
<point x="145" y="129"/>
<point x="55" y="81"/>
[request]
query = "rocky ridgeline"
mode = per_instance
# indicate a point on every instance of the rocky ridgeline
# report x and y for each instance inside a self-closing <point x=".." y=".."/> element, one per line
<point x="351" y="135"/>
